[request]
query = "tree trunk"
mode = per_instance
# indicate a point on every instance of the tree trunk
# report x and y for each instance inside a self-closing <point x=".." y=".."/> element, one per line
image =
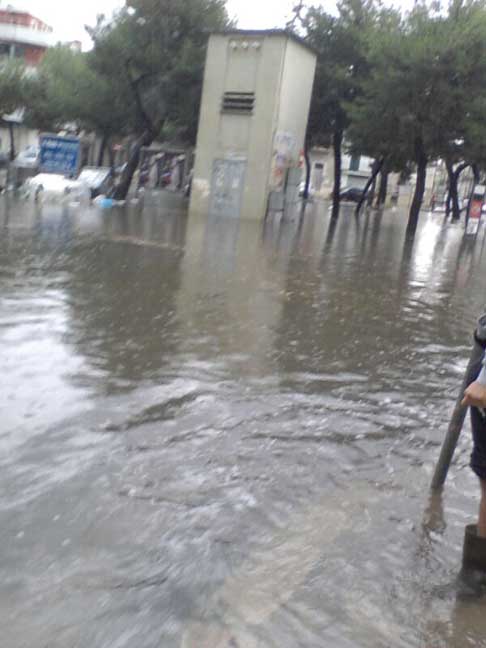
<point x="101" y="154"/>
<point x="305" y="195"/>
<point x="375" y="170"/>
<point x="383" y="190"/>
<point x="418" y="197"/>
<point x="337" y="142"/>
<point x="450" y="182"/>
<point x="371" y="193"/>
<point x="448" y="204"/>
<point x="120" y="191"/>
<point x="12" y="141"/>
<point x="111" y="157"/>
<point x="454" y="175"/>
<point x="456" y="210"/>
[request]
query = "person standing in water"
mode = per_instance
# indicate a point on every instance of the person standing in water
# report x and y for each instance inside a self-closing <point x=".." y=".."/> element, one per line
<point x="475" y="397"/>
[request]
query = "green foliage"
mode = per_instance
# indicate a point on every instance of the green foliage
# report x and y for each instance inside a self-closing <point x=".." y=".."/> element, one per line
<point x="154" y="51"/>
<point x="342" y="43"/>
<point x="426" y="83"/>
<point x="144" y="73"/>
<point x="66" y="89"/>
<point x="405" y="88"/>
<point x="52" y="97"/>
<point x="12" y="86"/>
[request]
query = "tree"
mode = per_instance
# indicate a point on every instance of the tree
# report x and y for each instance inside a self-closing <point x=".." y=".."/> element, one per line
<point x="456" y="69"/>
<point x="154" y="52"/>
<point x="12" y="94"/>
<point x="392" y="108"/>
<point x="342" y="43"/>
<point x="397" y="104"/>
<point x="423" y="76"/>
<point x="461" y="71"/>
<point x="66" y="89"/>
<point x="373" y="125"/>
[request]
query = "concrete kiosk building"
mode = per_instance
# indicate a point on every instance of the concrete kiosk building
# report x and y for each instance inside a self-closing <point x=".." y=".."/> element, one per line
<point x="254" y="112"/>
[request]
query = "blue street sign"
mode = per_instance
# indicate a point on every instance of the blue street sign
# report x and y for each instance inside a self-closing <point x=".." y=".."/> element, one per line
<point x="59" y="154"/>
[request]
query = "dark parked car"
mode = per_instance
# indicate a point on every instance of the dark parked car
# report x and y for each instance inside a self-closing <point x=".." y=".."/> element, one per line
<point x="353" y="194"/>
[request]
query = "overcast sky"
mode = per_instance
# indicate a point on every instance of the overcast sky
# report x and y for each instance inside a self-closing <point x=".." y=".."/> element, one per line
<point x="68" y="17"/>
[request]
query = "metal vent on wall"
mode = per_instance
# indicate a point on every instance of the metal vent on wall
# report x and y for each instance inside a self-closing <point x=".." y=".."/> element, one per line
<point x="239" y="102"/>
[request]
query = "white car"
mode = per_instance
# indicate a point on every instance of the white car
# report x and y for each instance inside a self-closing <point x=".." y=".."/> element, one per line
<point x="302" y="189"/>
<point x="53" y="187"/>
<point x="28" y="158"/>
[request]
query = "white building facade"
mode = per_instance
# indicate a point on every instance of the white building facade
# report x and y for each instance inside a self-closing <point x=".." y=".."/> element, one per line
<point x="25" y="38"/>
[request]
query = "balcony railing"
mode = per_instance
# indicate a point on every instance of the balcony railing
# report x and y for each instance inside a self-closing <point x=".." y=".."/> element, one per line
<point x="26" y="36"/>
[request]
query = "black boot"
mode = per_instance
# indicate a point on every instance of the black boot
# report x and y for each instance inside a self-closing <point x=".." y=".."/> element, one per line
<point x="472" y="579"/>
<point x="474" y="551"/>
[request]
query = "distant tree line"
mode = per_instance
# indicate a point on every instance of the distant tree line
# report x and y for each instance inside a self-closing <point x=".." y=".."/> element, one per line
<point x="142" y="79"/>
<point x="403" y="88"/>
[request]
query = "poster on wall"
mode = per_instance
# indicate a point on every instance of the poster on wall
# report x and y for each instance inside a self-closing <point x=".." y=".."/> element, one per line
<point x="283" y="157"/>
<point x="475" y="210"/>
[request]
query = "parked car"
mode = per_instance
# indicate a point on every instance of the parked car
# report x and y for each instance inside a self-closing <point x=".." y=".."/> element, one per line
<point x="302" y="189"/>
<point x="98" y="179"/>
<point x="55" y="187"/>
<point x="352" y="194"/>
<point x="28" y="158"/>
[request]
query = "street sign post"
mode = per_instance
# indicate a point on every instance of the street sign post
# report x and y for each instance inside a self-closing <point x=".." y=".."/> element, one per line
<point x="60" y="155"/>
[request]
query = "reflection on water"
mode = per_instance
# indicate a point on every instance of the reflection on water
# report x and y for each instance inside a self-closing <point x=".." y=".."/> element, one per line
<point x="219" y="434"/>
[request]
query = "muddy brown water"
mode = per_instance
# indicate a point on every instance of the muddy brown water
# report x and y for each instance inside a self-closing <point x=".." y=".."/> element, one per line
<point x="221" y="435"/>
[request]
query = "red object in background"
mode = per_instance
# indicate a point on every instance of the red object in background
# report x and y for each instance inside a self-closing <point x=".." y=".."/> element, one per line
<point x="476" y="207"/>
<point x="166" y="178"/>
<point x="34" y="55"/>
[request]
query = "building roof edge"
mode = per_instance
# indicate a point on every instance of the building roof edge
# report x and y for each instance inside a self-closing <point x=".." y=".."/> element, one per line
<point x="267" y="32"/>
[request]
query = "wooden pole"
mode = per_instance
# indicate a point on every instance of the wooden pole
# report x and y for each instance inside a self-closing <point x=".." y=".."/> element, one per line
<point x="459" y="413"/>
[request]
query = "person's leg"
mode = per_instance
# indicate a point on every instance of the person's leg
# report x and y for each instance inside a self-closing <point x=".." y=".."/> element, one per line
<point x="482" y="511"/>
<point x="478" y="463"/>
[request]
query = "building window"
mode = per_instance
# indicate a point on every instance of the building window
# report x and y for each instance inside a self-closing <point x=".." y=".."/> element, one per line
<point x="238" y="102"/>
<point x="4" y="49"/>
<point x="354" y="163"/>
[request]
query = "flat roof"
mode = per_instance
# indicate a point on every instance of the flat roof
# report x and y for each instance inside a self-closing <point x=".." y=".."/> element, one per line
<point x="254" y="33"/>
<point x="12" y="11"/>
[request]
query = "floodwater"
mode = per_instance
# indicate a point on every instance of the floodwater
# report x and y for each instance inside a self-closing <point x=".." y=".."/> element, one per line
<point x="221" y="435"/>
